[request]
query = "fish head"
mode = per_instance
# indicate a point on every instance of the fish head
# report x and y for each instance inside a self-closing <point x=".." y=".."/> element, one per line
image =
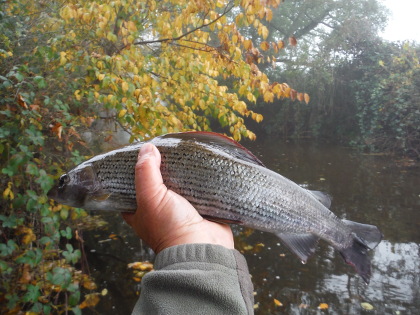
<point x="76" y="187"/>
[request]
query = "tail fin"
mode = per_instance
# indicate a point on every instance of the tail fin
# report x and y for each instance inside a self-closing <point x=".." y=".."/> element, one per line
<point x="369" y="234"/>
<point x="355" y="255"/>
<point x="365" y="237"/>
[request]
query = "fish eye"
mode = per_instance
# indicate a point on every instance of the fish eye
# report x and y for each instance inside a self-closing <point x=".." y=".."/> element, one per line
<point x="64" y="179"/>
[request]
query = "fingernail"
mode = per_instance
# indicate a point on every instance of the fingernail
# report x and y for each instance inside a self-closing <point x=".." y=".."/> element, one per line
<point x="145" y="149"/>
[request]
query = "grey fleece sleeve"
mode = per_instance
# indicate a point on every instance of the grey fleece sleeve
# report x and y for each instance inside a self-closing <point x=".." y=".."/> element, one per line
<point x="197" y="279"/>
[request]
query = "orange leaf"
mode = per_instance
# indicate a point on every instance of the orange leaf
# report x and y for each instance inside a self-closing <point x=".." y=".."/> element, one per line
<point x="57" y="129"/>
<point x="292" y="41"/>
<point x="306" y="97"/>
<point x="22" y="102"/>
<point x="323" y="306"/>
<point x="265" y="46"/>
<point x="26" y="276"/>
<point x="300" y="97"/>
<point x="89" y="285"/>
<point x="90" y="300"/>
<point x="141" y="265"/>
<point x="108" y="138"/>
<point x="280" y="44"/>
<point x="34" y="107"/>
<point x="277" y="302"/>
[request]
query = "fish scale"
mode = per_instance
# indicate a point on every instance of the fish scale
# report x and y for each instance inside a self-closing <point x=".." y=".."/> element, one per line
<point x="226" y="183"/>
<point x="265" y="209"/>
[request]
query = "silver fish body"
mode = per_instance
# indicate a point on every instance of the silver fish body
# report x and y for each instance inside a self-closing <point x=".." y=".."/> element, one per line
<point x="226" y="183"/>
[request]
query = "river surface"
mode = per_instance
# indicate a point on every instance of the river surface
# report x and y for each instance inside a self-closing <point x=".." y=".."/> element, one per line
<point x="365" y="188"/>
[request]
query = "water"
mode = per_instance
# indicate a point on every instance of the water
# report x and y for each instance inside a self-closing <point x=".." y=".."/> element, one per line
<point x="365" y="188"/>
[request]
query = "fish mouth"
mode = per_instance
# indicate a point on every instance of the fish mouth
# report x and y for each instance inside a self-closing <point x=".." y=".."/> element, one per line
<point x="53" y="193"/>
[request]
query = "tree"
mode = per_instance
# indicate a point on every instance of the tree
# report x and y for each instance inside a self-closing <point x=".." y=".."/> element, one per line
<point x="151" y="66"/>
<point x="388" y="98"/>
<point x="331" y="37"/>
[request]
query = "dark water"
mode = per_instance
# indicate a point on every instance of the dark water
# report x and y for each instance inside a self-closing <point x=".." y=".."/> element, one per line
<point x="365" y="188"/>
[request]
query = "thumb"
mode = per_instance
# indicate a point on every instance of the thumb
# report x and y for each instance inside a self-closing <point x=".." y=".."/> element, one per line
<point x="148" y="179"/>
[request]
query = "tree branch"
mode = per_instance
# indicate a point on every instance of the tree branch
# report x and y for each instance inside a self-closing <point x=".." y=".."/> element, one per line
<point x="145" y="42"/>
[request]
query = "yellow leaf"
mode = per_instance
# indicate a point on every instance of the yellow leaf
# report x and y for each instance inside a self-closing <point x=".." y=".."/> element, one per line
<point x="8" y="193"/>
<point x="323" y="306"/>
<point x="277" y="302"/>
<point x="269" y="15"/>
<point x="28" y="237"/>
<point x="122" y="113"/>
<point x="367" y="306"/>
<point x="100" y="76"/>
<point x="78" y="95"/>
<point x="264" y="32"/>
<point x="124" y="86"/>
<point x="247" y="44"/>
<point x="63" y="58"/>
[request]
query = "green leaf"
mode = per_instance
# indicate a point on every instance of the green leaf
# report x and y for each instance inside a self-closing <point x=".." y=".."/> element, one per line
<point x="32" y="294"/>
<point x="74" y="298"/>
<point x="40" y="82"/>
<point x="7" y="249"/>
<point x="72" y="255"/>
<point x="5" y="268"/>
<point x="67" y="233"/>
<point x="76" y="310"/>
<point x="10" y="221"/>
<point x="32" y="257"/>
<point x="12" y="300"/>
<point x="60" y="276"/>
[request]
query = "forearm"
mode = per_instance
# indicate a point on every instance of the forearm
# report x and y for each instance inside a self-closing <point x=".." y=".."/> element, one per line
<point x="197" y="278"/>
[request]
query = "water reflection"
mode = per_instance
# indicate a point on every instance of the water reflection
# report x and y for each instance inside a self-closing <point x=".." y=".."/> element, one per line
<point x="367" y="189"/>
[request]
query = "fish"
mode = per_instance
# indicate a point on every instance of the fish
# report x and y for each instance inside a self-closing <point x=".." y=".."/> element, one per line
<point x="226" y="183"/>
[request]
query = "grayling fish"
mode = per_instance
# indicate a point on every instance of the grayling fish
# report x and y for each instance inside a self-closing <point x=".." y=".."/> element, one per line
<point x="226" y="183"/>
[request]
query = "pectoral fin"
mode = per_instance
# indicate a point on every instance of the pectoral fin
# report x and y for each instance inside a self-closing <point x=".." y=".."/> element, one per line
<point x="220" y="220"/>
<point x="302" y="245"/>
<point x="102" y="197"/>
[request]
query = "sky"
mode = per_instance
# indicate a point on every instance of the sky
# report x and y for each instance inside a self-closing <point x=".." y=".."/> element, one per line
<point x="404" y="22"/>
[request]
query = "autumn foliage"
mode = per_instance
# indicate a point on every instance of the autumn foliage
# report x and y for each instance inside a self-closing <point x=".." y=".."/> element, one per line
<point x="159" y="65"/>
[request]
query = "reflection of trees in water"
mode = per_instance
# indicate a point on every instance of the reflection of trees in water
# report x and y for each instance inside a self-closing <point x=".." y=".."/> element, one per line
<point x="368" y="189"/>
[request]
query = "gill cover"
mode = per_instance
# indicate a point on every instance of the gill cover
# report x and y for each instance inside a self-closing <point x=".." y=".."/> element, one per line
<point x="73" y="187"/>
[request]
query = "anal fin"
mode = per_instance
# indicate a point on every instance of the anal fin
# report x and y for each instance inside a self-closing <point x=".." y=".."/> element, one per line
<point x="302" y="245"/>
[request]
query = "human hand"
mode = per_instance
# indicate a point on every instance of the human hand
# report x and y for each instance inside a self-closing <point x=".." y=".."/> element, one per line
<point x="164" y="218"/>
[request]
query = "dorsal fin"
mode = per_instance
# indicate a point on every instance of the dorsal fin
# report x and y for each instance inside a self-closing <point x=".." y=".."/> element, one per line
<point x="218" y="141"/>
<point x="322" y="197"/>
